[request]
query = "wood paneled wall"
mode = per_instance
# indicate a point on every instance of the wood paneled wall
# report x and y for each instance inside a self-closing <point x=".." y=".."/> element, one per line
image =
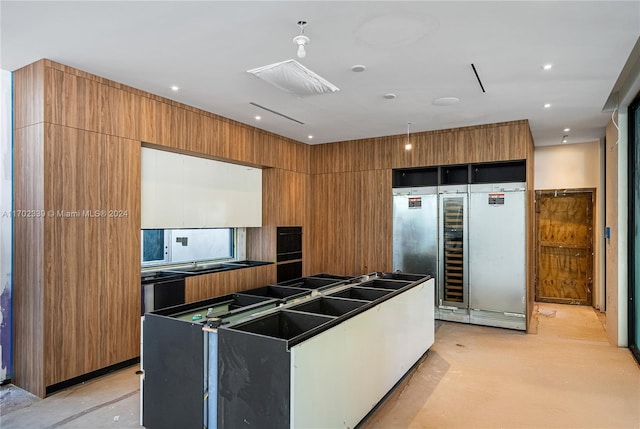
<point x="77" y="147"/>
<point x="29" y="95"/>
<point x="351" y="201"/>
<point x="84" y="101"/>
<point x="28" y="256"/>
<point x="483" y="143"/>
<point x="76" y="276"/>
<point x="350" y="222"/>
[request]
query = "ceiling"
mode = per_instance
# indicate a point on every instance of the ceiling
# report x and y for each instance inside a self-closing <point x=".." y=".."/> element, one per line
<point x="418" y="50"/>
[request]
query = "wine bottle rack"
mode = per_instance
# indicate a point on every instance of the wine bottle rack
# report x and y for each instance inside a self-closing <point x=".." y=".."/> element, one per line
<point x="453" y="225"/>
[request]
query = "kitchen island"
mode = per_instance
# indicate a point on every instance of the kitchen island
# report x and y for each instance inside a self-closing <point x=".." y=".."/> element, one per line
<point x="323" y="359"/>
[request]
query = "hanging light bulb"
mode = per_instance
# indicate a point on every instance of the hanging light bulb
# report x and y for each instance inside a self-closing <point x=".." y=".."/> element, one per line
<point x="301" y="52"/>
<point x="407" y="146"/>
<point x="301" y="40"/>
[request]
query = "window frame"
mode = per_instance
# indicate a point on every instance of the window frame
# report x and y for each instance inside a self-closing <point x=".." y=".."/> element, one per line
<point x="168" y="237"/>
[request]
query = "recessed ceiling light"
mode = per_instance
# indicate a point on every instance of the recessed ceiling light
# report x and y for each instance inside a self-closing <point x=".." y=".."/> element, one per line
<point x="358" y="68"/>
<point x="174" y="88"/>
<point x="547" y="67"/>
<point x="445" y="101"/>
<point x="566" y="130"/>
<point x="547" y="105"/>
<point x="309" y="136"/>
<point x="258" y="118"/>
<point x="564" y="140"/>
<point x="390" y="96"/>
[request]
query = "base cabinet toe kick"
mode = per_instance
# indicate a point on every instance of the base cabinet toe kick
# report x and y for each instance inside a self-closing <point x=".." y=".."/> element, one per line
<point x="320" y="362"/>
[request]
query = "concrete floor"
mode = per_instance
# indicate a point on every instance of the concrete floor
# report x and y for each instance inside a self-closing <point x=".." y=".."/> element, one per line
<point x="566" y="376"/>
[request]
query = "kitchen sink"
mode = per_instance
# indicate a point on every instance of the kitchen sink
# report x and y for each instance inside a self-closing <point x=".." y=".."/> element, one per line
<point x="153" y="276"/>
<point x="248" y="263"/>
<point x="201" y="268"/>
<point x="213" y="267"/>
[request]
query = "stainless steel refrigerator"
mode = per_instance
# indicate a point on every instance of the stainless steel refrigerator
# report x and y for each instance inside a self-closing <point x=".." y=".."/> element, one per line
<point x="497" y="255"/>
<point x="415" y="230"/>
<point x="472" y="239"/>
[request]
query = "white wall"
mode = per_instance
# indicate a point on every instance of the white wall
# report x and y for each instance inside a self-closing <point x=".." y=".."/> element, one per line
<point x="567" y="166"/>
<point x="575" y="166"/>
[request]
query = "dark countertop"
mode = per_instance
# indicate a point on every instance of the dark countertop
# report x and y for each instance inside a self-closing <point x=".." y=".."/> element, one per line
<point x="191" y="270"/>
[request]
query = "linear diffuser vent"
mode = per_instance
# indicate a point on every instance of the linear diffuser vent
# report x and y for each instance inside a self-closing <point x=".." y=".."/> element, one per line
<point x="294" y="78"/>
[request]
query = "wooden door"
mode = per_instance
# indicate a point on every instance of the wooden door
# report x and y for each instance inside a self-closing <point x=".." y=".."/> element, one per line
<point x="564" y="246"/>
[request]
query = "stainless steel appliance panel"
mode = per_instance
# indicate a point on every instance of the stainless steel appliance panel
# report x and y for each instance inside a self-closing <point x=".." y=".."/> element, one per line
<point x="453" y="286"/>
<point x="497" y="248"/>
<point x="415" y="231"/>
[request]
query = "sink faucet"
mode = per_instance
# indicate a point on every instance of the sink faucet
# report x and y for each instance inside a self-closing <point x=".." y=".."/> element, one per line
<point x="194" y="264"/>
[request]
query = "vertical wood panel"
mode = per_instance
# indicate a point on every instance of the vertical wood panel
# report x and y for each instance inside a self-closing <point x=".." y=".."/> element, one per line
<point x="55" y="95"/>
<point x="29" y="95"/>
<point x="350" y="222"/>
<point x="220" y="142"/>
<point x="177" y="134"/>
<point x="261" y="243"/>
<point x="376" y="222"/>
<point x="196" y="133"/>
<point x="120" y="292"/>
<point x="147" y="119"/>
<point x="28" y="268"/>
<point x="284" y="202"/>
<point x="108" y="107"/>
<point x="74" y="265"/>
<point x="129" y="122"/>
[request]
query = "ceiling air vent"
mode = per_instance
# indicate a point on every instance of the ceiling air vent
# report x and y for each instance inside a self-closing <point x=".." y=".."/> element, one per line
<point x="294" y="78"/>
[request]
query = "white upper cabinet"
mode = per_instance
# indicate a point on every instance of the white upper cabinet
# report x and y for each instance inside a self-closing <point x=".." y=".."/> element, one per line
<point x="180" y="191"/>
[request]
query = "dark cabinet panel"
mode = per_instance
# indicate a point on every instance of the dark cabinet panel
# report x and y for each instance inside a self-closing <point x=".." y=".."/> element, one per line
<point x="409" y="177"/>
<point x="486" y="172"/>
<point x="454" y="175"/>
<point x="497" y="172"/>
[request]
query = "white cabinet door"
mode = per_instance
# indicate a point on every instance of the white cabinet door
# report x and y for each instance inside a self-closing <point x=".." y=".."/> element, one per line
<point x="180" y="191"/>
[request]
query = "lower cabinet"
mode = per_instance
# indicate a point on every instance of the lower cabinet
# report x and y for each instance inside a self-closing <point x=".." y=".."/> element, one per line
<point x="207" y="286"/>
